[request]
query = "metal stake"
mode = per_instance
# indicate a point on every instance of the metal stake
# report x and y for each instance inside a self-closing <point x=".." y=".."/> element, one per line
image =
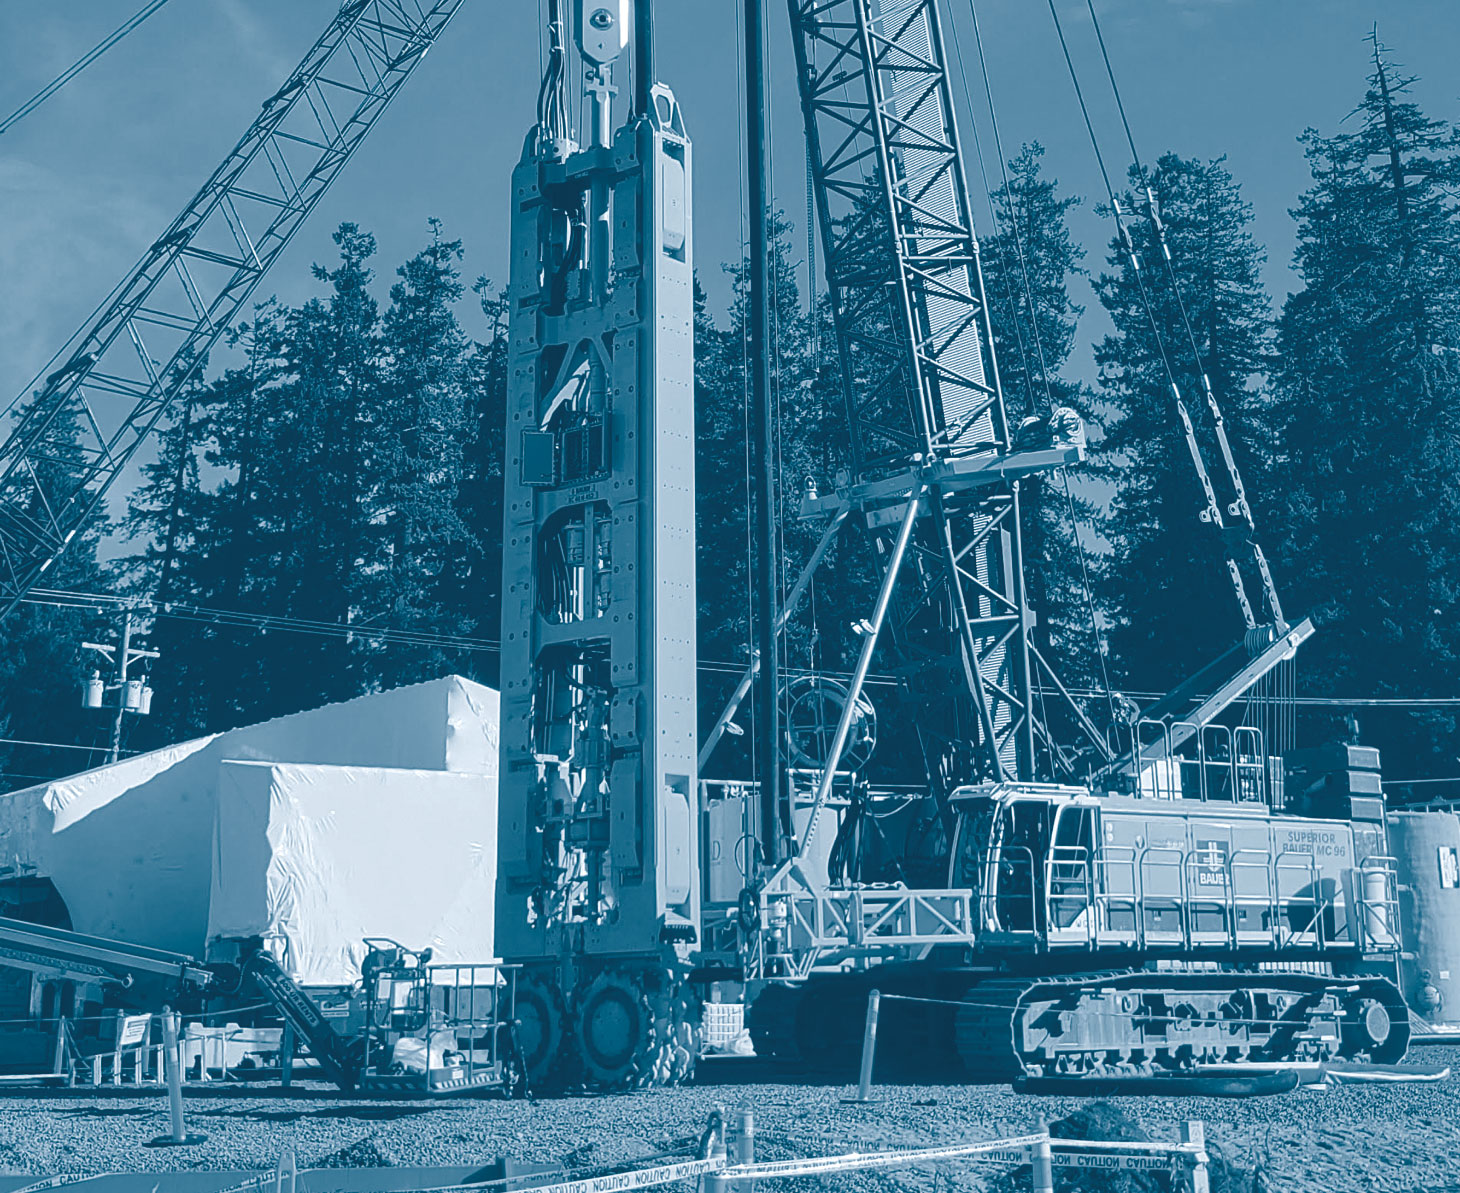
<point x="869" y="1047"/>
<point x="172" y="1063"/>
<point x="1043" y="1162"/>
<point x="1194" y="1134"/>
<point x="742" y="1146"/>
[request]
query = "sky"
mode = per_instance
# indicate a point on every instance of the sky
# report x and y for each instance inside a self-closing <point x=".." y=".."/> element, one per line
<point x="90" y="179"/>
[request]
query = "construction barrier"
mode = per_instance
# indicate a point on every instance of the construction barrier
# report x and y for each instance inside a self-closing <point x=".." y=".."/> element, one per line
<point x="731" y="1166"/>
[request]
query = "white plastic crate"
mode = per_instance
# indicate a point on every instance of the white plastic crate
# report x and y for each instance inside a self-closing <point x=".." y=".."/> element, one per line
<point x="722" y="1022"/>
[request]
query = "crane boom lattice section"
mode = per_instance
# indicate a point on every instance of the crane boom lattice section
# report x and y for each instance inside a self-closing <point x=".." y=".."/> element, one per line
<point x="74" y="436"/>
<point x="901" y="254"/>
<point x="918" y="370"/>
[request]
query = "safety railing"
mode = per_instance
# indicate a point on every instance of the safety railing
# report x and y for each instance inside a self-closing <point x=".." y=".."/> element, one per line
<point x="1229" y="764"/>
<point x="1378" y="898"/>
<point x="1158" y="898"/>
<point x="807" y="923"/>
<point x="1164" y="897"/>
<point x="1070" y="894"/>
<point x="449" y="1028"/>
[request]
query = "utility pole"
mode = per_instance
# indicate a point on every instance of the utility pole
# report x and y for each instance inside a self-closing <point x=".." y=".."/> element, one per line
<point x="767" y="713"/>
<point x="133" y="696"/>
<point x="122" y="660"/>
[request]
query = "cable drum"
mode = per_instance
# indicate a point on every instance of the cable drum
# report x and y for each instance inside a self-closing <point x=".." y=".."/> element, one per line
<point x="814" y="706"/>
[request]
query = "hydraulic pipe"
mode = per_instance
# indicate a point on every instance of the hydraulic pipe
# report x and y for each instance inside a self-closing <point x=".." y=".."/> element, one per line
<point x="643" y="56"/>
<point x="767" y="713"/>
<point x="788" y="607"/>
<point x="870" y="633"/>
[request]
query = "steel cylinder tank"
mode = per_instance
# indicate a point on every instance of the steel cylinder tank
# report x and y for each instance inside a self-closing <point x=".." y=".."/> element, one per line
<point x="1426" y="848"/>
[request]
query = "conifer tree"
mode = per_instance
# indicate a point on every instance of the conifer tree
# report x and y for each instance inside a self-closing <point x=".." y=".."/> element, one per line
<point x="1166" y="583"/>
<point x="1369" y="436"/>
<point x="42" y="663"/>
<point x="475" y="574"/>
<point x="1028" y="264"/>
<point x="418" y="453"/>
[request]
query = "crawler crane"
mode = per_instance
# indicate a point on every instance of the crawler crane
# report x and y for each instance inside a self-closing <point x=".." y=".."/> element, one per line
<point x="1148" y="906"/>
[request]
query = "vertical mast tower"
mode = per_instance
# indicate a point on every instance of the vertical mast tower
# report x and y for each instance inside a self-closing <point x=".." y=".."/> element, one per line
<point x="599" y="877"/>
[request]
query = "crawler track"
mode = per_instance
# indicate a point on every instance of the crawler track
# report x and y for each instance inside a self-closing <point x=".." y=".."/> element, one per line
<point x="941" y="1025"/>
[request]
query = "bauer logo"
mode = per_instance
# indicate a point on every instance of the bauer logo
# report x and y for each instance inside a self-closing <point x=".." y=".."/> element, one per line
<point x="1211" y="863"/>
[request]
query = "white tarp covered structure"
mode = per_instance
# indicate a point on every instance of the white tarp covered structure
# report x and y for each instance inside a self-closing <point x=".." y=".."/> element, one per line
<point x="324" y="856"/>
<point x="385" y="800"/>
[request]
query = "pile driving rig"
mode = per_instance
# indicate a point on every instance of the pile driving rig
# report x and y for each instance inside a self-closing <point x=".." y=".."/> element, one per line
<point x="1068" y="901"/>
<point x="598" y="864"/>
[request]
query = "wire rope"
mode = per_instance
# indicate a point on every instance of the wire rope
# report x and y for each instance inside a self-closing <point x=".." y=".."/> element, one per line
<point x="79" y="65"/>
<point x="1158" y="339"/>
<point x="1097" y="632"/>
<point x="1141" y="173"/>
<point x="1158" y="231"/>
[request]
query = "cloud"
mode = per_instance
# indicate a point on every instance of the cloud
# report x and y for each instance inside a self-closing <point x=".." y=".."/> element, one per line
<point x="254" y="39"/>
<point x="67" y="242"/>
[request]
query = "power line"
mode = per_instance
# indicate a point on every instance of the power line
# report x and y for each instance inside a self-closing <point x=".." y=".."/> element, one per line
<point x="61" y="598"/>
<point x="49" y="745"/>
<point x="79" y="65"/>
<point x="264" y="622"/>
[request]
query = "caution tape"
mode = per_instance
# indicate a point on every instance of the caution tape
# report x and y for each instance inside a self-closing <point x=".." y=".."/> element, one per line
<point x="57" y="1182"/>
<point x="1110" y="1160"/>
<point x="899" y="1158"/>
<point x="642" y="1178"/>
<point x="1102" y="1155"/>
<point x="613" y="1182"/>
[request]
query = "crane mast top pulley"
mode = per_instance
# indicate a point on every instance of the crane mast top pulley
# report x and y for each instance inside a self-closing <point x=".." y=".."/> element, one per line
<point x="120" y="372"/>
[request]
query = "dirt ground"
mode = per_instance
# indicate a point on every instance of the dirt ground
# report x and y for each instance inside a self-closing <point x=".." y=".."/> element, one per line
<point x="1371" y="1138"/>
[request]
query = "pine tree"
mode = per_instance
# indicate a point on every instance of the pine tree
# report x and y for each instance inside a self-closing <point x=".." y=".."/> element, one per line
<point x="348" y="471"/>
<point x="42" y="664"/>
<point x="419" y="445"/>
<point x="165" y="510"/>
<point x="1166" y="582"/>
<point x="1033" y="257"/>
<point x="810" y="447"/>
<point x="1368" y="393"/>
<point x="475" y="575"/>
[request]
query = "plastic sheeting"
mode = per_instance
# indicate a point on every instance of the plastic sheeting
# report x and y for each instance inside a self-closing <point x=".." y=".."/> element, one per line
<point x="130" y="847"/>
<point x="324" y="856"/>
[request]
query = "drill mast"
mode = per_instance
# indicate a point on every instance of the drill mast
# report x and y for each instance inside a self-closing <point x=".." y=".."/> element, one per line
<point x="599" y="874"/>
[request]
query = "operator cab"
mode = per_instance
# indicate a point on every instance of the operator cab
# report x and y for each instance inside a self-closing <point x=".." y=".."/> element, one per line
<point x="1024" y="850"/>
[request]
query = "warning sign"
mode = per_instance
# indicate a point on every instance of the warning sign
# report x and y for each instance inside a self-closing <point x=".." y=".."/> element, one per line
<point x="1449" y="867"/>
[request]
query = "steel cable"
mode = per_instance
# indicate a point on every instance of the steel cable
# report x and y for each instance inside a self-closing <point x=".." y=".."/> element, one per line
<point x="79" y="65"/>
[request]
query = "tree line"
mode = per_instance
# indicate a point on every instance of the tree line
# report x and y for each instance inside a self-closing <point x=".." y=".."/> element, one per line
<point x="345" y="467"/>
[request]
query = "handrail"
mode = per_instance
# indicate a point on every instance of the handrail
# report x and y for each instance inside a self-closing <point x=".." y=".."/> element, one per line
<point x="1309" y="868"/>
<point x="1082" y="860"/>
<point x="1264" y="867"/>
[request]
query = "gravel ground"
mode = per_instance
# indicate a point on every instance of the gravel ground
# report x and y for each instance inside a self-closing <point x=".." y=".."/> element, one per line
<point x="1370" y="1138"/>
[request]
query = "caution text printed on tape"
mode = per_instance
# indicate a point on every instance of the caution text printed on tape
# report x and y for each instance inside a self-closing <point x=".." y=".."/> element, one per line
<point x="1096" y="1160"/>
